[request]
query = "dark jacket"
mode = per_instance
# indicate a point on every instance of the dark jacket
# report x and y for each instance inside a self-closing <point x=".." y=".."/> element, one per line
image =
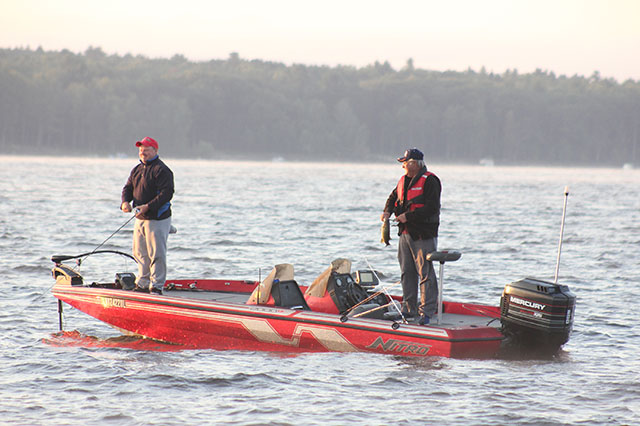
<point x="151" y="184"/>
<point x="423" y="222"/>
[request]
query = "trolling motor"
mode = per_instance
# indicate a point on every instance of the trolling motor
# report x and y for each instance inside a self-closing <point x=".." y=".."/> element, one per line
<point x="64" y="274"/>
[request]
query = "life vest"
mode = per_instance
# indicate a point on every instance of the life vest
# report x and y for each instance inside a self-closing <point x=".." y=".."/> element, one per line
<point x="414" y="198"/>
<point x="415" y="194"/>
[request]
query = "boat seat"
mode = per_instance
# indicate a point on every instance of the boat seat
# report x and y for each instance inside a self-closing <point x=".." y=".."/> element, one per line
<point x="442" y="257"/>
<point x="318" y="296"/>
<point x="318" y="287"/>
<point x="335" y="291"/>
<point x="287" y="294"/>
<point x="279" y="289"/>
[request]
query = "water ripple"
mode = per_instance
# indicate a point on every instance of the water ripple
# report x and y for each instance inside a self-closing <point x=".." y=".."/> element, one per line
<point x="504" y="220"/>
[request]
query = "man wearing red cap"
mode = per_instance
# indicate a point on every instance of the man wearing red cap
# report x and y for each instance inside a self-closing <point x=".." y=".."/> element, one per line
<point x="150" y="187"/>
<point x="415" y="201"/>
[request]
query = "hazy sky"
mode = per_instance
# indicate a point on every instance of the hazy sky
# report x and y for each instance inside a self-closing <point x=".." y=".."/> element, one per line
<point x="564" y="36"/>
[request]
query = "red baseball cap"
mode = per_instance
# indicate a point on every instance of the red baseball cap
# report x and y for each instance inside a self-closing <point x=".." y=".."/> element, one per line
<point x="147" y="141"/>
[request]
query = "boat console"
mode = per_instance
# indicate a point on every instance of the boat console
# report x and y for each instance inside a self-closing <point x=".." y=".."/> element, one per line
<point x="345" y="292"/>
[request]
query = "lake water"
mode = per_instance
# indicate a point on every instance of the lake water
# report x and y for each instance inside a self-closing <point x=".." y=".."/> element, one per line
<point x="237" y="219"/>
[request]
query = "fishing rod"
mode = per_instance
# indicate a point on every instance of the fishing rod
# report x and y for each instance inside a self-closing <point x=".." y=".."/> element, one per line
<point x="564" y="212"/>
<point x="135" y="212"/>
<point x="377" y="293"/>
<point x="395" y="303"/>
<point x="377" y="308"/>
<point x="81" y="257"/>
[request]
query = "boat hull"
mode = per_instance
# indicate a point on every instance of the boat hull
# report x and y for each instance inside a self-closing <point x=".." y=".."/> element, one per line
<point x="195" y="323"/>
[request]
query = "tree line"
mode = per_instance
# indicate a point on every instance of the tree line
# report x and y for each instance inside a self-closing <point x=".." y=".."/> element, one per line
<point x="59" y="102"/>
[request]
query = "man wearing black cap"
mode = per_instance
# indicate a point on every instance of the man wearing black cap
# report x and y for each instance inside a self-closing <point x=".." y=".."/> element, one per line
<point x="150" y="187"/>
<point x="415" y="201"/>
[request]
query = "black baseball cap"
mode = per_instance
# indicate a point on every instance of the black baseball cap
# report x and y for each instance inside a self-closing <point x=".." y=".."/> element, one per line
<point x="411" y="154"/>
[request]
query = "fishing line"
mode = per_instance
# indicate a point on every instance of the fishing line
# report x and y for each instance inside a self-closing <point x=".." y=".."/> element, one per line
<point x="109" y="237"/>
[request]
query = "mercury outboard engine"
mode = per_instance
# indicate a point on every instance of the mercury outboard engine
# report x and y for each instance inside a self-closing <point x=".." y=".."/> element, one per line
<point x="537" y="313"/>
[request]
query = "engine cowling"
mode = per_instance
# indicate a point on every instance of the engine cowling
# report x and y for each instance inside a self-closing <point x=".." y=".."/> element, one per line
<point x="537" y="313"/>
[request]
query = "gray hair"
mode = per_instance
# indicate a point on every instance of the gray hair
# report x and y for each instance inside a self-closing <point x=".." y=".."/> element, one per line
<point x="420" y="163"/>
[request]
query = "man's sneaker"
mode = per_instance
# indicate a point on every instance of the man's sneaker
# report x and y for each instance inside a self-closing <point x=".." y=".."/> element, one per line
<point x="157" y="291"/>
<point x="141" y="290"/>
<point x="423" y="320"/>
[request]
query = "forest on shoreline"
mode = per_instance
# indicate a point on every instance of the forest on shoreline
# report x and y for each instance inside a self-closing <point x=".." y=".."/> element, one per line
<point x="64" y="103"/>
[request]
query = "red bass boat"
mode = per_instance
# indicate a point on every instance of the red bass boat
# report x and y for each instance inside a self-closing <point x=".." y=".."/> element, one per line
<point x="335" y="313"/>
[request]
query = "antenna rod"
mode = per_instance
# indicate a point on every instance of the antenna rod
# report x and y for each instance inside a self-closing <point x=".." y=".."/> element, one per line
<point x="564" y="212"/>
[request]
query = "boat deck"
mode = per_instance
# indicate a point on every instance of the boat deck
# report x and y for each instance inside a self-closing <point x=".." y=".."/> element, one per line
<point x="458" y="320"/>
<point x="211" y="296"/>
<point x="449" y="320"/>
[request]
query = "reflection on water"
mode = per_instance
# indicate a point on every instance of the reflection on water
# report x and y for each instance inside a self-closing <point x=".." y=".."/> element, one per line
<point x="76" y="338"/>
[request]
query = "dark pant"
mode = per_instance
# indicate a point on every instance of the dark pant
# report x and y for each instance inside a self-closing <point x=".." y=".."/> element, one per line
<point x="417" y="271"/>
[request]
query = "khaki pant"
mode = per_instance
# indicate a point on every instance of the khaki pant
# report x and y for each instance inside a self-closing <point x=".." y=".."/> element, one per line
<point x="150" y="250"/>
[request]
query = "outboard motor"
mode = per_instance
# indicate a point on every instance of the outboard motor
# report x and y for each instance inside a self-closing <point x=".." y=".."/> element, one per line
<point x="537" y="313"/>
